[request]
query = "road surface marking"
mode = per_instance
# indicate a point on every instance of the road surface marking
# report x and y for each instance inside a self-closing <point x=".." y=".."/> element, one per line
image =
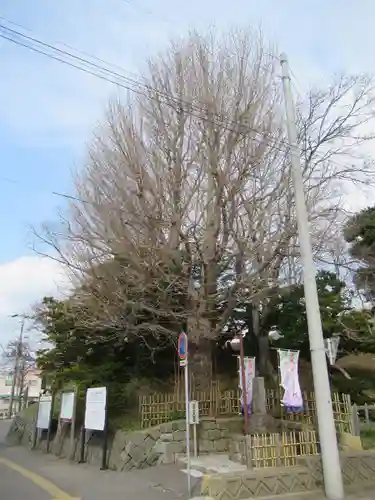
<point x="53" y="490"/>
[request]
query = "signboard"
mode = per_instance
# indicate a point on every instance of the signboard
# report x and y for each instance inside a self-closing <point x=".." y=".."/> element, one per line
<point x="193" y="412"/>
<point x="96" y="407"/>
<point x="331" y="347"/>
<point x="67" y="406"/>
<point x="44" y="412"/>
<point x="182" y="348"/>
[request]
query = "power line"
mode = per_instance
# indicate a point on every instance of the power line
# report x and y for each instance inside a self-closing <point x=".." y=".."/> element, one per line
<point x="177" y="101"/>
<point x="75" y="49"/>
<point x="92" y="70"/>
<point x="112" y="76"/>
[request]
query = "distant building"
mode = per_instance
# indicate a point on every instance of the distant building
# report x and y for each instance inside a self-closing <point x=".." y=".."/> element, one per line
<point x="32" y="385"/>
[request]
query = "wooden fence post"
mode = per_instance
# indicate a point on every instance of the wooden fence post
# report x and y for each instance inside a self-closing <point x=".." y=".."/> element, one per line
<point x="278" y="449"/>
<point x="355" y="421"/>
<point x="248" y="452"/>
<point x="367" y="414"/>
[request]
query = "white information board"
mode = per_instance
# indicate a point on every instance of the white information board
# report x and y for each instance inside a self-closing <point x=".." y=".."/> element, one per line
<point x="67" y="406"/>
<point x="193" y="412"/>
<point x="332" y="346"/>
<point x="96" y="402"/>
<point x="44" y="412"/>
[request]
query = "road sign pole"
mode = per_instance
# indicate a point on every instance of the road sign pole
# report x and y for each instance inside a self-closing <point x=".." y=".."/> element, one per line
<point x="183" y="355"/>
<point x="195" y="441"/>
<point x="186" y="371"/>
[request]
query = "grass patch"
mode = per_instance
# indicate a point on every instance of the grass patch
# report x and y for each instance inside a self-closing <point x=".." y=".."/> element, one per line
<point x="368" y="438"/>
<point x="31" y="411"/>
<point x="124" y="422"/>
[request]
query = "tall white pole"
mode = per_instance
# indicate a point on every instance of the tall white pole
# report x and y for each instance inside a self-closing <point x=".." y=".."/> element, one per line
<point x="326" y="425"/>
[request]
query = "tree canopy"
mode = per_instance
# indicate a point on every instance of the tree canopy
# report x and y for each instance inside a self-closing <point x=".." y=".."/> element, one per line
<point x="360" y="234"/>
<point x="184" y="214"/>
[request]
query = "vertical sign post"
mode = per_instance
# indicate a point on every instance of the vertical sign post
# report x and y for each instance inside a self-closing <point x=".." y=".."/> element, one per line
<point x="194" y="421"/>
<point x="244" y="388"/>
<point x="183" y="355"/>
<point x="331" y="346"/>
<point x="36" y="429"/>
<point x="52" y="408"/>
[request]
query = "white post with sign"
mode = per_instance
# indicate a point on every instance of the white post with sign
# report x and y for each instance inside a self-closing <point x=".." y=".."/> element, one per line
<point x="331" y="346"/>
<point x="194" y="421"/>
<point x="183" y="355"/>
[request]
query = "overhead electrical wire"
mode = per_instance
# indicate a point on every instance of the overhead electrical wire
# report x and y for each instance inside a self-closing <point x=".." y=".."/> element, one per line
<point x="129" y="80"/>
<point x="111" y="76"/>
<point x="75" y="49"/>
<point x="131" y="84"/>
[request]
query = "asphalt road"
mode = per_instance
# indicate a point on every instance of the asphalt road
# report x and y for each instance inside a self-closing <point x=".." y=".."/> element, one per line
<point x="38" y="476"/>
<point x="13" y="486"/>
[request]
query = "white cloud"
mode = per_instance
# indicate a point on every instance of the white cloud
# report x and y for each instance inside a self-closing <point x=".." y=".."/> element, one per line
<point x="23" y="282"/>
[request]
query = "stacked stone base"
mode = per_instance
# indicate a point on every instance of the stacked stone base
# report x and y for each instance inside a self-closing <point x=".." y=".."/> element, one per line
<point x="134" y="450"/>
<point x="358" y="471"/>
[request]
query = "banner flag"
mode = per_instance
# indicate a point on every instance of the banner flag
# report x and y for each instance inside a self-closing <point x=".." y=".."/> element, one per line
<point x="249" y="377"/>
<point x="288" y="366"/>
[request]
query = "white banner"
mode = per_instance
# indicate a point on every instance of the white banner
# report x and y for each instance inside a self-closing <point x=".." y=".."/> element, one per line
<point x="288" y="366"/>
<point x="249" y="377"/>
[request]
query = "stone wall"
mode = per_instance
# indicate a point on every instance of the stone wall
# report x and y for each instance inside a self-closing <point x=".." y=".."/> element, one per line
<point x="162" y="444"/>
<point x="138" y="449"/>
<point x="358" y="470"/>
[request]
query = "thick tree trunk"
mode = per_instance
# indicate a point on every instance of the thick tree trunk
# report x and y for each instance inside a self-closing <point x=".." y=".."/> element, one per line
<point x="264" y="361"/>
<point x="200" y="364"/>
<point x="200" y="353"/>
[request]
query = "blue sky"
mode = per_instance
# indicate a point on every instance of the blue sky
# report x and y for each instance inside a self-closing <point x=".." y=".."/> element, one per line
<point x="48" y="110"/>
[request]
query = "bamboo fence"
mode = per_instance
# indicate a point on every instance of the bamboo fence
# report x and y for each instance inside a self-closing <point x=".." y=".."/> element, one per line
<point x="282" y="450"/>
<point x="159" y="408"/>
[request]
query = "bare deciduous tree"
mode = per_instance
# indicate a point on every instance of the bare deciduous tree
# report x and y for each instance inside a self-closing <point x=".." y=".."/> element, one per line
<point x="188" y="186"/>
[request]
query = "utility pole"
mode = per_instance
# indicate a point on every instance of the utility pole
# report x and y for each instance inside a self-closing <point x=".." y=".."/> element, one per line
<point x="333" y="483"/>
<point x="21" y="378"/>
<point x="19" y="356"/>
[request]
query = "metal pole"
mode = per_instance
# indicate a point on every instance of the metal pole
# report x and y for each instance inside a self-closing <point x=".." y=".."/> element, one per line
<point x="49" y="430"/>
<point x="243" y="388"/>
<point x="195" y="441"/>
<point x="35" y="433"/>
<point x="73" y="425"/>
<point x="326" y="425"/>
<point x="186" y="373"/>
<point x="105" y="435"/>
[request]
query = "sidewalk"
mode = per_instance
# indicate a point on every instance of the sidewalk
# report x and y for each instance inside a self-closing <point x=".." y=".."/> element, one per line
<point x="369" y="494"/>
<point x="89" y="483"/>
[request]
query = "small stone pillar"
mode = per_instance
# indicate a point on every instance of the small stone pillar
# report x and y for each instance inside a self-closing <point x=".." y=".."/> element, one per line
<point x="259" y="420"/>
<point x="259" y="397"/>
